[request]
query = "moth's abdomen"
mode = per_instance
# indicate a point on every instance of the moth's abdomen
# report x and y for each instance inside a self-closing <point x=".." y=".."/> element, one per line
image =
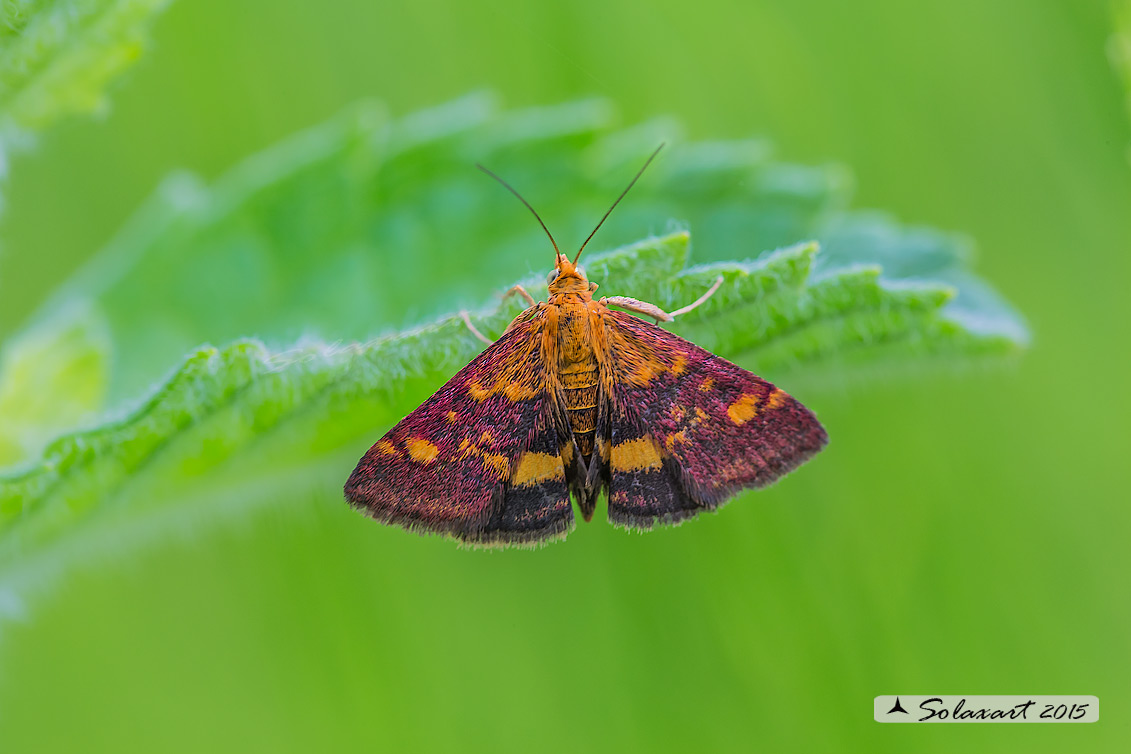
<point x="580" y="391"/>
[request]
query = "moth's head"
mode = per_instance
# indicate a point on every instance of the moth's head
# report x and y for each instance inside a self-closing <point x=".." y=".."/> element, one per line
<point x="567" y="277"/>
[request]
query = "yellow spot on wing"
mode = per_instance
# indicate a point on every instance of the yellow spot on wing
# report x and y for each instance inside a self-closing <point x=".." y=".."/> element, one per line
<point x="678" y="365"/>
<point x="635" y="455"/>
<point x="386" y="448"/>
<point x="491" y="461"/>
<point x="675" y="437"/>
<point x="744" y="409"/>
<point x="643" y="373"/>
<point x="537" y="467"/>
<point x="516" y="392"/>
<point x="499" y="463"/>
<point x="452" y="416"/>
<point x="486" y="437"/>
<point x="777" y="399"/>
<point x="421" y="450"/>
<point x="706" y="385"/>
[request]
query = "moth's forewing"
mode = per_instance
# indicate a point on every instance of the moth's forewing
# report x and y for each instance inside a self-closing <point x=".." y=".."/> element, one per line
<point x="480" y="459"/>
<point x="690" y="429"/>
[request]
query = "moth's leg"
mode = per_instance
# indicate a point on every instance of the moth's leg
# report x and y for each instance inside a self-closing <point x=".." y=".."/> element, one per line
<point x="702" y="299"/>
<point x="467" y="321"/>
<point x="655" y="312"/>
<point x="640" y="307"/>
<point x="520" y="291"/>
<point x="513" y="290"/>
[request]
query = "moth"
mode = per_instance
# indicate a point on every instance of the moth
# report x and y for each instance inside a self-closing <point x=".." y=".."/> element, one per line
<point x="575" y="399"/>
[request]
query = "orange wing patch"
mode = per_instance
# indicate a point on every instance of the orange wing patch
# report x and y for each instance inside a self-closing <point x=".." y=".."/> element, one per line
<point x="636" y="455"/>
<point x="641" y="369"/>
<point x="675" y="438"/>
<point x="747" y="406"/>
<point x="497" y="466"/>
<point x="386" y="448"/>
<point x="744" y="409"/>
<point x="777" y="399"/>
<point x="421" y="450"/>
<point x="534" y="468"/>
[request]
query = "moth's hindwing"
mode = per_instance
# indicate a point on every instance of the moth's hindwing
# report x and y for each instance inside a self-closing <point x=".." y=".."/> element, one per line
<point x="691" y="429"/>
<point x="479" y="460"/>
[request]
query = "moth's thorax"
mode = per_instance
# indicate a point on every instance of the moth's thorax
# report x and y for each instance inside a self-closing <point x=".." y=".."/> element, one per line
<point x="575" y="337"/>
<point x="575" y="364"/>
<point x="571" y="297"/>
<point x="570" y="285"/>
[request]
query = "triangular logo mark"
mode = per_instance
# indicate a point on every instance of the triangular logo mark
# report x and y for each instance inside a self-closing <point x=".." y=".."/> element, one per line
<point x="898" y="708"/>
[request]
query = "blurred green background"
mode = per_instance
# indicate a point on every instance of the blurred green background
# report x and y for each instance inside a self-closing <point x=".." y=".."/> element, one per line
<point x="965" y="532"/>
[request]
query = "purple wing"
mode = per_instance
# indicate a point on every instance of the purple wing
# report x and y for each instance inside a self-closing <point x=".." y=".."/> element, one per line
<point x="689" y="429"/>
<point x="479" y="460"/>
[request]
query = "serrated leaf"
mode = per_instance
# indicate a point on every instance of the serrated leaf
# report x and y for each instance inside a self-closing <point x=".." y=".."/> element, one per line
<point x="364" y="223"/>
<point x="253" y="418"/>
<point x="339" y="231"/>
<point x="298" y="245"/>
<point x="921" y="255"/>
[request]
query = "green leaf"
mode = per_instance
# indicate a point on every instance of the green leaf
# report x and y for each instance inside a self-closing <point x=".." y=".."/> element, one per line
<point x="52" y="378"/>
<point x="57" y="56"/>
<point x="365" y="224"/>
<point x="263" y="422"/>
<point x="347" y="230"/>
<point x="921" y="255"/>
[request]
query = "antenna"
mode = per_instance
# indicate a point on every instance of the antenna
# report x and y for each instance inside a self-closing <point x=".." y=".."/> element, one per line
<point x="539" y="219"/>
<point x="630" y="185"/>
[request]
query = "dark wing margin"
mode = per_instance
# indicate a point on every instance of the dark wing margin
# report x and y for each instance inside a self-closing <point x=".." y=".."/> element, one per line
<point x="480" y="459"/>
<point x="691" y="429"/>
